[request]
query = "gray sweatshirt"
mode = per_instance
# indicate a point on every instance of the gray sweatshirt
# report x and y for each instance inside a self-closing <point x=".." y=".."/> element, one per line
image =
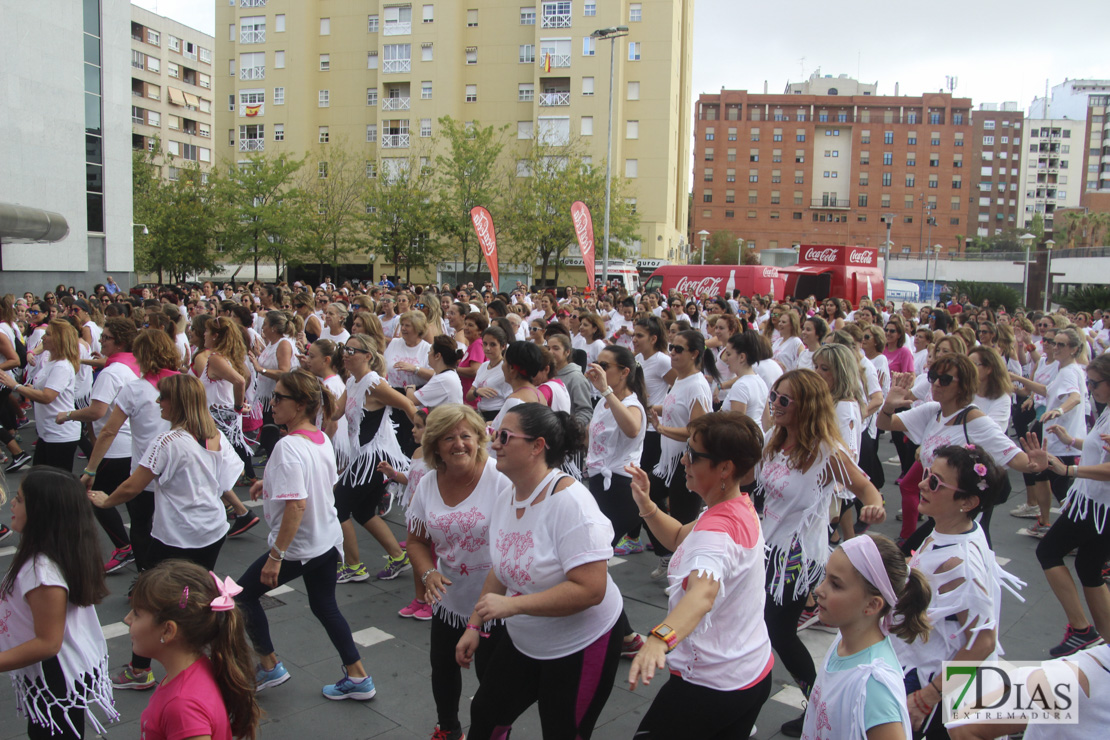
<point x="581" y="405"/>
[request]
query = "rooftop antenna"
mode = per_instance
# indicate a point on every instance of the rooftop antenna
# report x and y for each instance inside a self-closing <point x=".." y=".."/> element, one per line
<point x="950" y="81"/>
<point x="802" y="68"/>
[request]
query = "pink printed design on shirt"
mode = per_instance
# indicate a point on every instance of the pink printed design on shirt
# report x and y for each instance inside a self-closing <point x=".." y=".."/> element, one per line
<point x="822" y="714"/>
<point x="775" y="475"/>
<point x="465" y="530"/>
<point x="514" y="546"/>
<point x="596" y="445"/>
<point x="669" y="418"/>
<point x="4" y="621"/>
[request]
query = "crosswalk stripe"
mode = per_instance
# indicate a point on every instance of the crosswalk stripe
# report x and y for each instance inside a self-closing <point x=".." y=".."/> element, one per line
<point x="5" y="551"/>
<point x="284" y="589"/>
<point x="371" y="636"/>
<point x="115" y="629"/>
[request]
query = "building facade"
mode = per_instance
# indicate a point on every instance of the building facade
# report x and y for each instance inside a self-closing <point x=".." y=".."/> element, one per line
<point x="779" y="170"/>
<point x="377" y="76"/>
<point x="171" y="89"/>
<point x="1068" y="99"/>
<point x="995" y="205"/>
<point x="1052" y="167"/>
<point x="1097" y="137"/>
<point x="65" y="141"/>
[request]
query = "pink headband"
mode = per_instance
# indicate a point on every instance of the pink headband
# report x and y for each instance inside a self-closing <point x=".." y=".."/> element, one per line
<point x="864" y="556"/>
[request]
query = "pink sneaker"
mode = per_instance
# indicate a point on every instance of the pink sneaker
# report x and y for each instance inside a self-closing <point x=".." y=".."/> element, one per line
<point x="417" y="610"/>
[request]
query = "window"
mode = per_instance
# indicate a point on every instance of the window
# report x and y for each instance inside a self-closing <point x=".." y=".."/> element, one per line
<point x="988" y="125"/>
<point x="174" y="43"/>
<point x="138" y="59"/>
<point x="954" y="221"/>
<point x="472" y="93"/>
<point x="959" y="140"/>
<point x="797" y="216"/>
<point x="472" y="18"/>
<point x="589" y="46"/>
<point x="911" y="160"/>
<point x="555" y="14"/>
<point x="426" y="90"/>
<point x="279" y="23"/>
<point x="325" y="26"/>
<point x="888" y="137"/>
<point x="708" y="176"/>
<point x="589" y="8"/>
<point x="863" y="179"/>
<point x="865" y="137"/>
<point x="426" y="52"/>
<point x="800" y="136"/>
<point x="153" y="37"/>
<point x="153" y="64"/>
<point x="279" y="132"/>
<point x="279" y="60"/>
<point x="472" y="55"/>
<point x="753" y="155"/>
<point x="429" y="14"/>
<point x="371" y="133"/>
<point x="279" y="96"/>
<point x="635" y="12"/>
<point x="323" y="99"/>
<point x="633" y="90"/>
<point x="587" y="125"/>
<point x="525" y="130"/>
<point x="730" y="196"/>
<point x="252" y="29"/>
<point x="631" y="167"/>
<point x="957" y="183"/>
<point x="707" y="196"/>
<point x="888" y="179"/>
<point x="751" y="214"/>
<point x="398" y="58"/>
<point x="528" y="16"/>
<point x="371" y="60"/>
<point x="527" y="54"/>
<point x="204" y="80"/>
<point x="325" y="62"/>
<point x="324" y="137"/>
<point x="371" y="24"/>
<point x="911" y="117"/>
<point x="371" y="96"/>
<point x="910" y="179"/>
<point x="753" y="175"/>
<point x="754" y="134"/>
<point x="911" y="140"/>
<point x="933" y="181"/>
<point x="634" y="51"/>
<point x="888" y="158"/>
<point x="322" y="170"/>
<point x="799" y="156"/>
<point x="526" y="92"/>
<point x="587" y="86"/>
<point x="425" y="127"/>
<point x="173" y="70"/>
<point x="753" y="197"/>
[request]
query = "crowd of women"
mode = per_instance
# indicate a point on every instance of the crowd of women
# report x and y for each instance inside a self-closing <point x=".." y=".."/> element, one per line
<point x="526" y="440"/>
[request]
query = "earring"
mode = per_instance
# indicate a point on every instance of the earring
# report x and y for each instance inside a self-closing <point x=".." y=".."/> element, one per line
<point x="162" y="640"/>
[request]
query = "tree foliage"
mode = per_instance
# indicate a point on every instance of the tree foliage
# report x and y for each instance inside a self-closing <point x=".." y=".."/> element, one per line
<point x="1085" y="298"/>
<point x="1082" y="230"/>
<point x="400" y="217"/>
<point x="996" y="293"/>
<point x="331" y="228"/>
<point x="721" y="248"/>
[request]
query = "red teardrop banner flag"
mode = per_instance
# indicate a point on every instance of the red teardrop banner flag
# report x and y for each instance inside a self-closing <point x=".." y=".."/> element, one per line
<point x="584" y="230"/>
<point x="487" y="240"/>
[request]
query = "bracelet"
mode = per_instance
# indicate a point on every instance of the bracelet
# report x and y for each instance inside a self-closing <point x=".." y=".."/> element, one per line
<point x="922" y="706"/>
<point x="606" y="392"/>
<point x="477" y="629"/>
<point x="649" y="516"/>
<point x="270" y="555"/>
<point x="424" y="578"/>
<point x="91" y="473"/>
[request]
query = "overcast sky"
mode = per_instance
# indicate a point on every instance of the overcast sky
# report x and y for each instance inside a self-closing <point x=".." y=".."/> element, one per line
<point x="1000" y="51"/>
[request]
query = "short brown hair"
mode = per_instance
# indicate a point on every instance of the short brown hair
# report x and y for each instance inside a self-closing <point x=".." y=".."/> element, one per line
<point x="441" y="420"/>
<point x="729" y="436"/>
<point x="967" y="375"/>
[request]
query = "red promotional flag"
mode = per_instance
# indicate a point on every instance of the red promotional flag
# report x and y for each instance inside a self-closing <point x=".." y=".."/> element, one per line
<point x="483" y="226"/>
<point x="584" y="230"/>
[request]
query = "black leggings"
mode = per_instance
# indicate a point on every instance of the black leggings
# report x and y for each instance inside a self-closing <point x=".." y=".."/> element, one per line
<point x="55" y="454"/>
<point x="616" y="504"/>
<point x="683" y="709"/>
<point x="360" y="502"/>
<point x="319" y="582"/>
<point x="141" y="512"/>
<point x="446" y="673"/>
<point x="571" y="691"/>
<point x="782" y="628"/>
<point x="404" y="430"/>
<point x="1064" y="535"/>
<point x="56" y="684"/>
<point x="109" y="475"/>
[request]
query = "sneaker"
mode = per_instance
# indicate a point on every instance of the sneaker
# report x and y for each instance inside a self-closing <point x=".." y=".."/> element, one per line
<point x="394" y="567"/>
<point x="356" y="573"/>
<point x="135" y="680"/>
<point x="1074" y="641"/>
<point x="20" y="460"/>
<point x="649" y="545"/>
<point x="5" y="532"/>
<point x="661" y="571"/>
<point x="23" y="422"/>
<point x="808" y="617"/>
<point x="121" y="556"/>
<point x="267" y="679"/>
<point x="346" y="688"/>
<point x="1036" y="529"/>
<point x="242" y="524"/>
<point x="631" y="648"/>
<point x="81" y="455"/>
<point x="385" y="505"/>
<point x="1026" y="511"/>
<point x="440" y="734"/>
<point x="628" y="546"/>
<point x="793" y="728"/>
<point x="417" y="609"/>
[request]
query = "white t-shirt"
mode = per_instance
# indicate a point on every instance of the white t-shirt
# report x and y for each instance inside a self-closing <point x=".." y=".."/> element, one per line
<point x="139" y="400"/>
<point x="184" y="351"/>
<point x="1068" y="380"/>
<point x="445" y="387"/>
<point x="397" y="351"/>
<point x="94" y="336"/>
<point x="390" y="326"/>
<point x="619" y="323"/>
<point x="191" y="479"/>
<point x="787" y="352"/>
<point x="930" y="432"/>
<point x="851" y="426"/>
<point x="769" y="370"/>
<point x="998" y="409"/>
<point x="593" y="350"/>
<point x="677" y="407"/>
<point x="751" y="390"/>
<point x="57" y="375"/>
<point x="610" y="448"/>
<point x="106" y="387"/>
<point x="534" y="553"/>
<point x="340" y="338"/>
<point x="655" y="367"/>
<point x="492" y="377"/>
<point x="302" y="467"/>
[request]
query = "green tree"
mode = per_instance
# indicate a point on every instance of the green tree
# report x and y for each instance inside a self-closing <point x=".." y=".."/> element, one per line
<point x="262" y="209"/>
<point x="722" y="249"/>
<point x="332" y="226"/>
<point x="467" y="174"/>
<point x="400" y="218"/>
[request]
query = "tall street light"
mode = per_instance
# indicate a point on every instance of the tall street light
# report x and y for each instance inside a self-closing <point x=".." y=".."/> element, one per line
<point x="1026" y="240"/>
<point x="1048" y="245"/>
<point x="611" y="35"/>
<point x="888" y="218"/>
<point x="703" y="235"/>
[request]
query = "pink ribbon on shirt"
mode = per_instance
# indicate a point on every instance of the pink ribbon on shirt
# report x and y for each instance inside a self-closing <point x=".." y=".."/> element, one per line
<point x="864" y="556"/>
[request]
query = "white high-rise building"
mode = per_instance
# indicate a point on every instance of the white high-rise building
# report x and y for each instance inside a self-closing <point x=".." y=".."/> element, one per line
<point x="1068" y="99"/>
<point x="1051" y="167"/>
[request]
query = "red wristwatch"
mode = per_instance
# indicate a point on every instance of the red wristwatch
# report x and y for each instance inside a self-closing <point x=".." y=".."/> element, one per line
<point x="665" y="633"/>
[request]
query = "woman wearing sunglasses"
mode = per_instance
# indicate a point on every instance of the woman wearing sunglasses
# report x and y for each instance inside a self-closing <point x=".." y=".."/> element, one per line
<point x="193" y="464"/>
<point x="549" y="582"/>
<point x="804" y="461"/>
<point x="367" y="405"/>
<point x="689" y="398"/>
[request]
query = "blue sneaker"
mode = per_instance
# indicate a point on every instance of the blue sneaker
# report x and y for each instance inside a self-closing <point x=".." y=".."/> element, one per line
<point x="265" y="679"/>
<point x="345" y="688"/>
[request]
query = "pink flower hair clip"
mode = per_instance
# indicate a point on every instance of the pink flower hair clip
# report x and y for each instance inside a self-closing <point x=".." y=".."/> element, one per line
<point x="981" y="470"/>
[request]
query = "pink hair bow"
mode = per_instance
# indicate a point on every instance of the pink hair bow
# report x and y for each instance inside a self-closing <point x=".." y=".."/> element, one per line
<point x="228" y="589"/>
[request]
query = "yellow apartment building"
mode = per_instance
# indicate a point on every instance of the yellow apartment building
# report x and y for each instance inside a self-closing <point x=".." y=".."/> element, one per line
<point x="294" y="74"/>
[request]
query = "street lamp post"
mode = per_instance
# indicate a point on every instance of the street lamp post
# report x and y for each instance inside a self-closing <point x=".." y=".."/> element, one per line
<point x="704" y="235"/>
<point x="936" y="266"/>
<point x="611" y="35"/>
<point x="1026" y="240"/>
<point x="889" y="217"/>
<point x="1048" y="245"/>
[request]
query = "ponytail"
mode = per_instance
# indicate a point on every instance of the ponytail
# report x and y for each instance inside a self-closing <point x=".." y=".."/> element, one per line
<point x="913" y="602"/>
<point x="704" y="361"/>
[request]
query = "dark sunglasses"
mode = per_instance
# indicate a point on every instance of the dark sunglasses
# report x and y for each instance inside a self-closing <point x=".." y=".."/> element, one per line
<point x="782" y="400"/>
<point x="1092" y="384"/>
<point x="945" y="380"/>
<point x="676" y="348"/>
<point x="603" y="365"/>
<point x="503" y="436"/>
<point x="282" y="397"/>
<point x="350" y="351"/>
<point x="694" y="455"/>
<point x="933" y="482"/>
<point x="1061" y="344"/>
<point x="891" y="331"/>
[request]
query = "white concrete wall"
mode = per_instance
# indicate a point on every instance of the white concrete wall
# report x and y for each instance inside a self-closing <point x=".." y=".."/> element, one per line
<point x="1087" y="270"/>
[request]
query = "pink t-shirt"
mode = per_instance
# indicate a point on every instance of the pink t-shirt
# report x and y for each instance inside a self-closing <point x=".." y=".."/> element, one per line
<point x="188" y="706"/>
<point x="475" y="355"/>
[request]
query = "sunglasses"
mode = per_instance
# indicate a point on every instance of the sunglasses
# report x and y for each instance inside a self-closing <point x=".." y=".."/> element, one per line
<point x="945" y="380"/>
<point x="603" y="365"/>
<point x="1092" y="384"/>
<point x="891" y="331"/>
<point x="1061" y="344"/>
<point x="933" y="482"/>
<point x="676" y="349"/>
<point x="421" y="306"/>
<point x="779" y="398"/>
<point x="282" y="397"/>
<point x="694" y="455"/>
<point x="503" y="436"/>
<point x="351" y="351"/>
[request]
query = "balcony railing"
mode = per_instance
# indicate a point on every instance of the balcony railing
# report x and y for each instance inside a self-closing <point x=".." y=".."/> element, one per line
<point x="400" y="28"/>
<point x="555" y="20"/>
<point x="257" y="36"/>
<point x="252" y="145"/>
<point x="395" y="103"/>
<point x="137" y="63"/>
<point x="252" y="109"/>
<point x="397" y="66"/>
<point x="839" y="203"/>
<point x="252" y="3"/>
<point x="252" y="73"/>
<point x="557" y="60"/>
<point x="554" y="98"/>
<point x="395" y="141"/>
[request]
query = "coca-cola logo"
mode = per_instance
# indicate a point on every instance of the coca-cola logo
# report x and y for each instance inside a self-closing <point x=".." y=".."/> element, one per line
<point x="770" y="272"/>
<point x="710" y="286"/>
<point x="859" y="257"/>
<point x="483" y="225"/>
<point x="820" y="255"/>
<point x="582" y="229"/>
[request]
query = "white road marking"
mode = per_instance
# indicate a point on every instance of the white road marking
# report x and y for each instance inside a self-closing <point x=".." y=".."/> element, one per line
<point x="280" y="590"/>
<point x="371" y="636"/>
<point x="6" y="551"/>
<point x="115" y="629"/>
<point x="615" y="561"/>
<point x="791" y="696"/>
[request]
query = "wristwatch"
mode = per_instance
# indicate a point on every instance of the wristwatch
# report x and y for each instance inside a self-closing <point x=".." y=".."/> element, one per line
<point x="665" y="633"/>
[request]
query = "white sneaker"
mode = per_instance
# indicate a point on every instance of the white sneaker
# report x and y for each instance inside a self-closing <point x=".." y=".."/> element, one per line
<point x="1026" y="511"/>
<point x="661" y="571"/>
<point x="895" y="460"/>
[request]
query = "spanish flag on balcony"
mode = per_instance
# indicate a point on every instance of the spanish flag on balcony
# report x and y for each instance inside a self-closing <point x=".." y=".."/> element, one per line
<point x="252" y="110"/>
<point x="547" y="62"/>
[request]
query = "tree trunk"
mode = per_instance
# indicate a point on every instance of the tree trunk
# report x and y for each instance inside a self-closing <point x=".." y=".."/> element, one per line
<point x="543" y="270"/>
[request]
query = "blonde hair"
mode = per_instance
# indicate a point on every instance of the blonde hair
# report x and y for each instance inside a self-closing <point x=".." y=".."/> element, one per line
<point x="417" y="319"/>
<point x="372" y="325"/>
<point x="377" y="362"/>
<point x="188" y="405"/>
<point x="229" y="343"/>
<point x="998" y="382"/>
<point x="66" y="347"/>
<point x="441" y="420"/>
<point x="154" y="351"/>
<point x="816" y="415"/>
<point x="845" y="366"/>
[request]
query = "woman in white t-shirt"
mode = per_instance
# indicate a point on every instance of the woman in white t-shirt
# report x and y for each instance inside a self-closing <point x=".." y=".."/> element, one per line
<point x="490" y="388"/>
<point x="297" y="500"/>
<point x="748" y="394"/>
<point x="279" y="356"/>
<point x="444" y="386"/>
<point x="789" y="344"/>
<point x="406" y="363"/>
<point x="593" y="332"/>
<point x="51" y="588"/>
<point x="713" y="638"/>
<point x="335" y="316"/>
<point x="995" y="393"/>
<point x="549" y="545"/>
<point x="193" y="465"/>
<point x="813" y="333"/>
<point x="449" y="544"/>
<point x="53" y="393"/>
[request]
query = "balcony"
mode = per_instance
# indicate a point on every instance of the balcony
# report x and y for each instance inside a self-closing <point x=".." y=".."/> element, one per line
<point x="555" y="20"/>
<point x="395" y="103"/>
<point x="840" y="204"/>
<point x="551" y="99"/>
<point x="252" y="145"/>
<point x="251" y="110"/>
<point x="257" y="36"/>
<point x="252" y="3"/>
<point x="395" y="141"/>
<point x="398" y="28"/>
<point x="557" y="60"/>
<point x="396" y="66"/>
<point x="252" y="73"/>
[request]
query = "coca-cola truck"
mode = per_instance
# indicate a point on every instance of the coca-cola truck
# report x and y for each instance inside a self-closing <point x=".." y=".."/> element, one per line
<point x="717" y="280"/>
<point x="840" y="271"/>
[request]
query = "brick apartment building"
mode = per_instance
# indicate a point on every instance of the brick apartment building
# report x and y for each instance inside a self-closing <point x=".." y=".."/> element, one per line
<point x="997" y="153"/>
<point x="777" y="170"/>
